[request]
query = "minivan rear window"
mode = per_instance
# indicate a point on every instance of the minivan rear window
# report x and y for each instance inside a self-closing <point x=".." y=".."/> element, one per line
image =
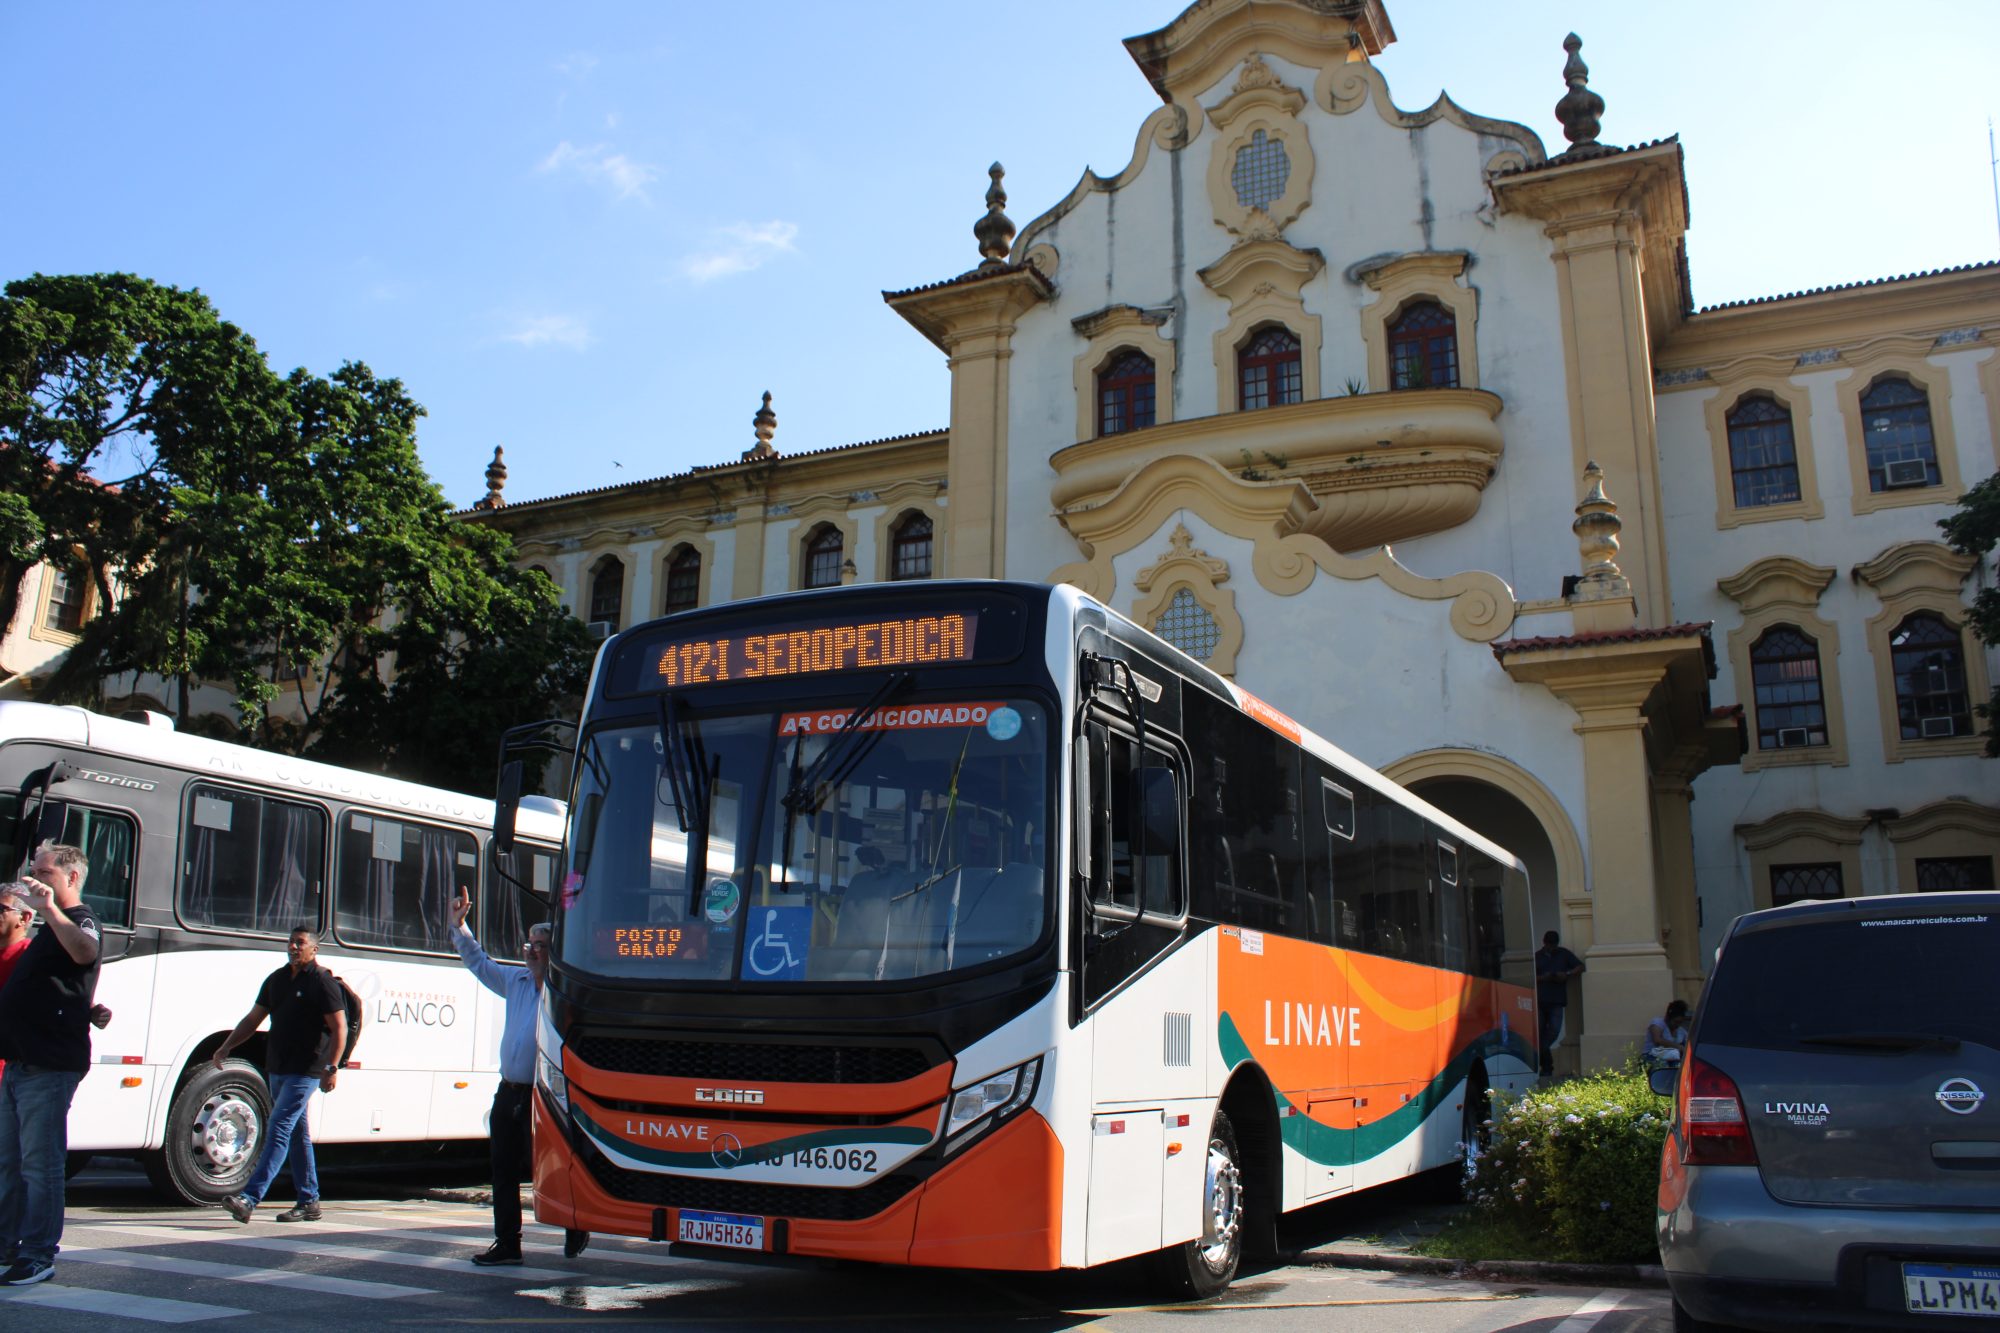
<point x="1919" y="976"/>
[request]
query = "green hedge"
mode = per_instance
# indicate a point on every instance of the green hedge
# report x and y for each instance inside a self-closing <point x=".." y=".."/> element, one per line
<point x="1579" y="1163"/>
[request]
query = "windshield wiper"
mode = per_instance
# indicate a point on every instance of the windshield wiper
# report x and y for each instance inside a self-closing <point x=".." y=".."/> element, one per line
<point x="808" y="791"/>
<point x="1885" y="1041"/>
<point x="691" y="776"/>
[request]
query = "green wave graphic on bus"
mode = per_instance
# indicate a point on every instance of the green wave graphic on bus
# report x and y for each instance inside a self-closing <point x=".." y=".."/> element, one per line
<point x="1330" y="1146"/>
<point x="703" y="1159"/>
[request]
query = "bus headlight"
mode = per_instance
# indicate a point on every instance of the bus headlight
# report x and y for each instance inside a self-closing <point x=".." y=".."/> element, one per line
<point x="549" y="1076"/>
<point x="980" y="1106"/>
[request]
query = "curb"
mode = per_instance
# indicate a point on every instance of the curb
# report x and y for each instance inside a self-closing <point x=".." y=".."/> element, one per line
<point x="1493" y="1270"/>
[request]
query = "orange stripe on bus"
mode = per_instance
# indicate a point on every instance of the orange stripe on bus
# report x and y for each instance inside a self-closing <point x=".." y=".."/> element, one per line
<point x="926" y="1089"/>
<point x="998" y="1205"/>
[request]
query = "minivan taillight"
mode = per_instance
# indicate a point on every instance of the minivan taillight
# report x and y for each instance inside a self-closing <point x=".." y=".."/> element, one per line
<point x="1713" y="1126"/>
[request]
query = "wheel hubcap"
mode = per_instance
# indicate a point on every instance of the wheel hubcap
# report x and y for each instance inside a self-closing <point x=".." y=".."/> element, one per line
<point x="1222" y="1218"/>
<point x="225" y="1133"/>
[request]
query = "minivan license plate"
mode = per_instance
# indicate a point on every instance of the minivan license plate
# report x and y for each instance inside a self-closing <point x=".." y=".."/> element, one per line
<point x="737" y="1231"/>
<point x="1953" y="1289"/>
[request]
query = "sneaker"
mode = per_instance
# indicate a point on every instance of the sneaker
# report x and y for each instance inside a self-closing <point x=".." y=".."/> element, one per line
<point x="574" y="1242"/>
<point x="239" y="1207"/>
<point x="498" y="1253"/>
<point x="300" y="1212"/>
<point x="27" y="1272"/>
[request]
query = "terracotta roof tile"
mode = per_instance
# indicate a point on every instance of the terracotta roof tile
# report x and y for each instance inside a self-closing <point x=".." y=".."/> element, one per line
<point x="1571" y="158"/>
<point x="1851" y="286"/>
<point x="976" y="275"/>
<point x="1701" y="627"/>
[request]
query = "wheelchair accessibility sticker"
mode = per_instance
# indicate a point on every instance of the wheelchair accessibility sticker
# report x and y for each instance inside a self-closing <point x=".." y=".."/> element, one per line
<point x="777" y="944"/>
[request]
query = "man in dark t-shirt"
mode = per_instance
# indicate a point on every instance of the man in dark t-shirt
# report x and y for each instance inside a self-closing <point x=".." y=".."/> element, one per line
<point x="1554" y="966"/>
<point x="45" y="1039"/>
<point x="308" y="1016"/>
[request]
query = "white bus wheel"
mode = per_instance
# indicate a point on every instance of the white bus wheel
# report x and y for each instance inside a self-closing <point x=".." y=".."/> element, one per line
<point x="1205" y="1265"/>
<point x="215" y="1126"/>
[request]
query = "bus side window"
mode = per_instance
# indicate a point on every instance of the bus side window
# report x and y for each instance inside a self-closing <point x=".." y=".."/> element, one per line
<point x="1133" y="818"/>
<point x="396" y="879"/>
<point x="253" y="863"/>
<point x="12" y="853"/>
<point x="508" y="911"/>
<point x="107" y="841"/>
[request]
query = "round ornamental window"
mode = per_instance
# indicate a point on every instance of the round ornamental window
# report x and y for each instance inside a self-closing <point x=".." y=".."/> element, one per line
<point x="1261" y="171"/>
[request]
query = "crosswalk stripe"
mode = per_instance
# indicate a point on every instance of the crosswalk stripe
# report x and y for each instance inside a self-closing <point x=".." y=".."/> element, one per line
<point x="457" y="1263"/>
<point x="90" y="1300"/>
<point x="284" y="1277"/>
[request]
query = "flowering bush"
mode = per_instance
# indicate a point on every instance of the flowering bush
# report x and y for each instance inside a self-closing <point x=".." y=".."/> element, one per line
<point x="1579" y="1163"/>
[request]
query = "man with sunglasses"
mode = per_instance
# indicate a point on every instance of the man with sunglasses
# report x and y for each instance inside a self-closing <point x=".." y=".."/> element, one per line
<point x="510" y="1124"/>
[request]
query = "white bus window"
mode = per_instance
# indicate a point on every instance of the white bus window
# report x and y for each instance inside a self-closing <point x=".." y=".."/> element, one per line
<point x="107" y="841"/>
<point x="395" y="880"/>
<point x="509" y="912"/>
<point x="251" y="863"/>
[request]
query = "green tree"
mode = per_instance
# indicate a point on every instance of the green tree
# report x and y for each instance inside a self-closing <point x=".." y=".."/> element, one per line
<point x="1975" y="530"/>
<point x="255" y="524"/>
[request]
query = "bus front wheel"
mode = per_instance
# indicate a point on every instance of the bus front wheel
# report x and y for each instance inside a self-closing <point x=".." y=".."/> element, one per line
<point x="214" y="1128"/>
<point x="1205" y="1265"/>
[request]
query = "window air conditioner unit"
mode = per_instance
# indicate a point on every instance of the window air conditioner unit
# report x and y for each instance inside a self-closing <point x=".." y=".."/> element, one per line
<point x="598" y="630"/>
<point x="1791" y="736"/>
<point x="1905" y="472"/>
<point x="1934" y="727"/>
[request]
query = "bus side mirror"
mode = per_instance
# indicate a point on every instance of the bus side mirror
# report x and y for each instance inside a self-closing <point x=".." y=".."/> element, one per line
<point x="506" y="804"/>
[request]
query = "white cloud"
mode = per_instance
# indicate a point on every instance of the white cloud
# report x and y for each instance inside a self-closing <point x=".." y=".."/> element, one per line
<point x="597" y="164"/>
<point x="546" y="330"/>
<point x="741" y="247"/>
<point x="576" y="63"/>
<point x="611" y="120"/>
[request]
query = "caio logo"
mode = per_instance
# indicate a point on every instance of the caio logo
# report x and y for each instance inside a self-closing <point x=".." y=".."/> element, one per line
<point x="730" y="1096"/>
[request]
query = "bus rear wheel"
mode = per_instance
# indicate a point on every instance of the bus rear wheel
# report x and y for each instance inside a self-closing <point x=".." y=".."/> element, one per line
<point x="214" y="1128"/>
<point x="1201" y="1267"/>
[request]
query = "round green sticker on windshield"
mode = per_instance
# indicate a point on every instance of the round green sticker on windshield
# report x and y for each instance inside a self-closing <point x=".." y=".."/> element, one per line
<point x="719" y="904"/>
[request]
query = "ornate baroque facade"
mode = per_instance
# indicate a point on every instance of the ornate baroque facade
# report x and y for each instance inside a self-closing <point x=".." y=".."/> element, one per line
<point x="1411" y="425"/>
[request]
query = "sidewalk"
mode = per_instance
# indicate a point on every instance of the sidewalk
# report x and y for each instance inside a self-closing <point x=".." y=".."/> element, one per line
<point x="1387" y="1245"/>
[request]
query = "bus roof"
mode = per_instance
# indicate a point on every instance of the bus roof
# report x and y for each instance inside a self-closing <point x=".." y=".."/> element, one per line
<point x="159" y="742"/>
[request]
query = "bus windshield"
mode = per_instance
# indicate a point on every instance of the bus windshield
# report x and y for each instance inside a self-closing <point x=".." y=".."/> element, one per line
<point x="912" y="844"/>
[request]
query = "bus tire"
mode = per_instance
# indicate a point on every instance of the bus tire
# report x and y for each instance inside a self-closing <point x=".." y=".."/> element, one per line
<point x="1201" y="1267"/>
<point x="215" y="1126"/>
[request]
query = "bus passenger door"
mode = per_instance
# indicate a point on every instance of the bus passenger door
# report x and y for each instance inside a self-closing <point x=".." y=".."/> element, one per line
<point x="1331" y="1106"/>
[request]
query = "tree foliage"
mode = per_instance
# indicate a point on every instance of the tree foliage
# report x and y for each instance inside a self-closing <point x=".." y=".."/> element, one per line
<point x="1975" y="530"/>
<point x="252" y="524"/>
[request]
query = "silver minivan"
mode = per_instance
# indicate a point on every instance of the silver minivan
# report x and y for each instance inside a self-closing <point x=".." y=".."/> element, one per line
<point x="1834" y="1158"/>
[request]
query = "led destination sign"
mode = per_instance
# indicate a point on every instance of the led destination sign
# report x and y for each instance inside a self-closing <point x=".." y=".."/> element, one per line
<point x="813" y="649"/>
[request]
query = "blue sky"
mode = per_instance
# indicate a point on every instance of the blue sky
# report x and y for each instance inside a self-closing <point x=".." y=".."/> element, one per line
<point x="597" y="233"/>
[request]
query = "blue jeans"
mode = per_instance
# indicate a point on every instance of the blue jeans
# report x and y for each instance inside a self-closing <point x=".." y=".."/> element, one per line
<point x="34" y="1147"/>
<point x="287" y="1136"/>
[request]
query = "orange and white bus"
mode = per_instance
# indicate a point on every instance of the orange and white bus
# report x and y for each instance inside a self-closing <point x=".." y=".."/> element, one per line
<point x="969" y="924"/>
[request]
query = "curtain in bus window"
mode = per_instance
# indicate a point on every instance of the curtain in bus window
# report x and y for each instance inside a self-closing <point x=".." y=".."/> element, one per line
<point x="107" y="882"/>
<point x="288" y="878"/>
<point x="438" y="886"/>
<point x="220" y="887"/>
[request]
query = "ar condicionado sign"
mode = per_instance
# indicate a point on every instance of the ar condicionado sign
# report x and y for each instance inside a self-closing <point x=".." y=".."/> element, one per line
<point x="844" y="646"/>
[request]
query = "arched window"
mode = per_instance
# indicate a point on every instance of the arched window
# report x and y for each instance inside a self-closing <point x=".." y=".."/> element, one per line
<point x="910" y="548"/>
<point x="683" y="580"/>
<point x="822" y="557"/>
<point x="1188" y="625"/>
<point x="1423" y="348"/>
<point x="1763" y="460"/>
<point x="1896" y="430"/>
<point x="1267" y="369"/>
<point x="1929" y="660"/>
<point x="1125" y="393"/>
<point x="1814" y="879"/>
<point x="607" y="592"/>
<point x="1791" y="710"/>
<point x="69" y="597"/>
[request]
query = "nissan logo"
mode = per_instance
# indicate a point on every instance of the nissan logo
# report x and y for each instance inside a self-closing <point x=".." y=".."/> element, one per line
<point x="1960" y="1096"/>
<point x="728" y="1151"/>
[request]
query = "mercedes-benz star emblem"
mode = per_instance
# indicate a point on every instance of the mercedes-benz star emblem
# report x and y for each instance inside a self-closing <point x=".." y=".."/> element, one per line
<point x="1961" y="1096"/>
<point x="728" y="1150"/>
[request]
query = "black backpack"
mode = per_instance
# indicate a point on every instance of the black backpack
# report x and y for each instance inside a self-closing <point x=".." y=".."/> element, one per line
<point x="354" y="1019"/>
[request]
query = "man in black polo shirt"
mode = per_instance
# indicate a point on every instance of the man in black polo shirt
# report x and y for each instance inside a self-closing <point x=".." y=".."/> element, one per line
<point x="45" y="1039"/>
<point x="308" y="1017"/>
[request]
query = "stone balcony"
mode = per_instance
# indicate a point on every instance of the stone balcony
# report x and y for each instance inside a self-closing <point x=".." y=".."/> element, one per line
<point x="1383" y="467"/>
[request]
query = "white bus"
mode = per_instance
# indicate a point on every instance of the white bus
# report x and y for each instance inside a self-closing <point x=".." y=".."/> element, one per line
<point x="969" y="924"/>
<point x="203" y="858"/>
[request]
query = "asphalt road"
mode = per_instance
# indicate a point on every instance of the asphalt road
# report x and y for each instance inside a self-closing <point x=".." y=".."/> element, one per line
<point x="382" y="1258"/>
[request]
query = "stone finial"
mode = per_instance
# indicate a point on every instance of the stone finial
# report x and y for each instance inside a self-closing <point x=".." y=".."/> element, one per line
<point x="995" y="231"/>
<point x="1579" y="108"/>
<point x="496" y="481"/>
<point x="1597" y="527"/>
<point x="766" y="425"/>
